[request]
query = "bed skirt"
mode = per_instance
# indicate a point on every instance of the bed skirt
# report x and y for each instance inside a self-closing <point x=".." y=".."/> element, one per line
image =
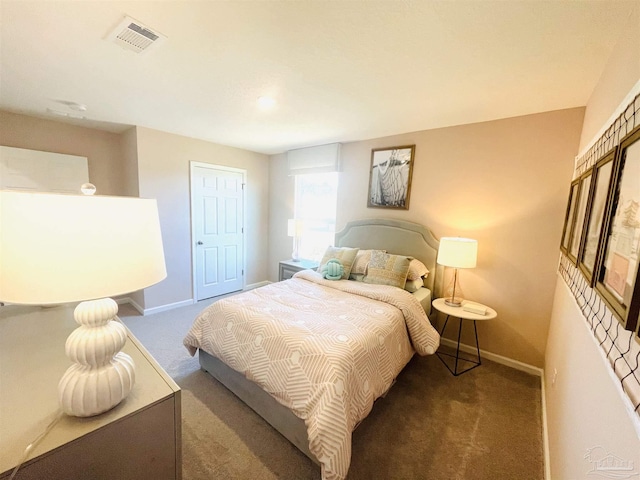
<point x="277" y="415"/>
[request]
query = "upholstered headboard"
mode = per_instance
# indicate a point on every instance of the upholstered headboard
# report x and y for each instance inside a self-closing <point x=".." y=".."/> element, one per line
<point x="399" y="237"/>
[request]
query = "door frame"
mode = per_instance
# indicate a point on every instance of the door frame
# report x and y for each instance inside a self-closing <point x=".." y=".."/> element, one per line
<point x="211" y="166"/>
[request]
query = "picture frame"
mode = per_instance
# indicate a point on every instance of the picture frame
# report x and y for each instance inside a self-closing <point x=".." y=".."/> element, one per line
<point x="582" y="205"/>
<point x="599" y="202"/>
<point x="390" y="177"/>
<point x="617" y="279"/>
<point x="570" y="216"/>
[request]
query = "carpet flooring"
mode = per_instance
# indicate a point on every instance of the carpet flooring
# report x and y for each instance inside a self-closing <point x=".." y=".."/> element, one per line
<point x="483" y="425"/>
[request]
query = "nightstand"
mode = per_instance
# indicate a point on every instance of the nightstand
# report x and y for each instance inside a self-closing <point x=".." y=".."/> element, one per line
<point x="462" y="314"/>
<point x="288" y="268"/>
<point x="139" y="438"/>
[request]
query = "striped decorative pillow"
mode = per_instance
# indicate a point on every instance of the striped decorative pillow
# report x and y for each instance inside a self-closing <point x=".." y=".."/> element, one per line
<point x="387" y="269"/>
<point x="362" y="261"/>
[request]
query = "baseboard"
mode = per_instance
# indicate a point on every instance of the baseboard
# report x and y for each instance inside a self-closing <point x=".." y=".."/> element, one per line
<point x="169" y="306"/>
<point x="161" y="308"/>
<point x="545" y="430"/>
<point x="130" y="301"/>
<point x="509" y="362"/>
<point x="255" y="285"/>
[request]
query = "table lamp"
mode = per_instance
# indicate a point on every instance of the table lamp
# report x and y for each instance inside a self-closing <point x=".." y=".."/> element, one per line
<point x="294" y="229"/>
<point x="58" y="248"/>
<point x="458" y="253"/>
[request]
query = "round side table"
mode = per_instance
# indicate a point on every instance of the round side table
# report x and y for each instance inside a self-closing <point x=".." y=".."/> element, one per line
<point x="462" y="314"/>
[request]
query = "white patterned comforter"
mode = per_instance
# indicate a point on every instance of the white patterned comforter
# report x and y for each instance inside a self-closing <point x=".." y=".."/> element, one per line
<point x="324" y="349"/>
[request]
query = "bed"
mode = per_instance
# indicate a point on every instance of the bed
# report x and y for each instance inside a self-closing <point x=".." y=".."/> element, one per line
<point x="311" y="355"/>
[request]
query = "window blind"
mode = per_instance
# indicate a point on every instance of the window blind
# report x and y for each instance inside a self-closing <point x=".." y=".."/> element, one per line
<point x="318" y="159"/>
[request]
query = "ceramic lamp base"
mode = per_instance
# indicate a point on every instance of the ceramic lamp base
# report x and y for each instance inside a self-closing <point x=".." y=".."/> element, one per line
<point x="101" y="376"/>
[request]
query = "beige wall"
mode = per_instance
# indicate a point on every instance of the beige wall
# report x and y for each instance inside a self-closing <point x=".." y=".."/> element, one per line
<point x="585" y="406"/>
<point x="621" y="73"/>
<point x="103" y="149"/>
<point x="281" y="199"/>
<point x="152" y="164"/>
<point x="129" y="164"/>
<point x="129" y="148"/>
<point x="504" y="183"/>
<point x="163" y="172"/>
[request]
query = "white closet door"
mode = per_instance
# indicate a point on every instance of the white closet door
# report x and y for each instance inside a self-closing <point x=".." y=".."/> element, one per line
<point x="217" y="216"/>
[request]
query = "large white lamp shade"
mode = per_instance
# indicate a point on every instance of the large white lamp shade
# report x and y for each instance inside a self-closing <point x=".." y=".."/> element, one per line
<point x="58" y="248"/>
<point x="457" y="252"/>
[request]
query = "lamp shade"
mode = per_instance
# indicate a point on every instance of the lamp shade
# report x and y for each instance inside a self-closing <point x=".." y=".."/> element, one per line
<point x="66" y="248"/>
<point x="294" y="227"/>
<point x="457" y="252"/>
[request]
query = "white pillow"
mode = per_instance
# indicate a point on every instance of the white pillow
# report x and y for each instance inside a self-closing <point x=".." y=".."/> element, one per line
<point x="413" y="285"/>
<point x="417" y="270"/>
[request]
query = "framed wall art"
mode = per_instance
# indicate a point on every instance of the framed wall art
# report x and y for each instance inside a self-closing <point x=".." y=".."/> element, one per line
<point x="618" y="275"/>
<point x="569" y="218"/>
<point x="390" y="177"/>
<point x="584" y="188"/>
<point x="598" y="207"/>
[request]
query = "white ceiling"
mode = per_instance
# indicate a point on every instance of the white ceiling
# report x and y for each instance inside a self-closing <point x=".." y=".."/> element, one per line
<point x="340" y="70"/>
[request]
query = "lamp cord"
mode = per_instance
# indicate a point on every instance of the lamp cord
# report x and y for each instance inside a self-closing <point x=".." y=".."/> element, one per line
<point x="32" y="445"/>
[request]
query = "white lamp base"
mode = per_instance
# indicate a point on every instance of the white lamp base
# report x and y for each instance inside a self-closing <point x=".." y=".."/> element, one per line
<point x="101" y="376"/>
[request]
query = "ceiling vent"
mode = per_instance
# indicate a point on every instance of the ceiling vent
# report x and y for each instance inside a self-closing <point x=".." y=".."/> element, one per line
<point x="135" y="36"/>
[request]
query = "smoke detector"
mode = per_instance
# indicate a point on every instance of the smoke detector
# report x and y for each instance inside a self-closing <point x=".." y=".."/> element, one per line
<point x="78" y="107"/>
<point x="133" y="35"/>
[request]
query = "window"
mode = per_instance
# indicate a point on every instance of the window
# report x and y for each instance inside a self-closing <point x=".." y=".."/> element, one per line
<point x="316" y="200"/>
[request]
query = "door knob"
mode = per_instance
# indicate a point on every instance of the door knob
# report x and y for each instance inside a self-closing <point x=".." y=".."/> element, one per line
<point x="199" y="242"/>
